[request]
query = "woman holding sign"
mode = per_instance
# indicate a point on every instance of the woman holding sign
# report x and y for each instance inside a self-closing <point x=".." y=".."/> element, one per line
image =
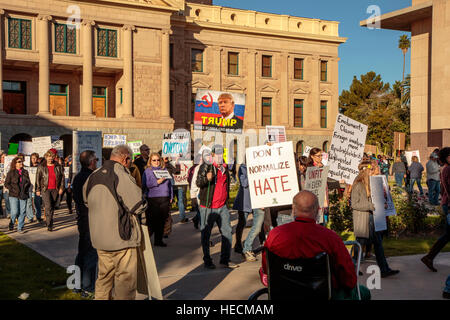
<point x="315" y="160"/>
<point x="18" y="183"/>
<point x="159" y="193"/>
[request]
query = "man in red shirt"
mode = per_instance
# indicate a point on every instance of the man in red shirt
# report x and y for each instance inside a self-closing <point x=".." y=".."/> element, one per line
<point x="303" y="238"/>
<point x="213" y="179"/>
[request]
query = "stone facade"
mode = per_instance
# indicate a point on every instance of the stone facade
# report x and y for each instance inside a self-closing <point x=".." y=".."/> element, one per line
<point x="148" y="84"/>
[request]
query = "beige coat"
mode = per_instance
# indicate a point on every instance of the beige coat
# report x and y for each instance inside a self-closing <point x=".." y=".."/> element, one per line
<point x="361" y="205"/>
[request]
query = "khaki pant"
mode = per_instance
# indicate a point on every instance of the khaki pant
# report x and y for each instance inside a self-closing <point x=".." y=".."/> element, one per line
<point x="118" y="270"/>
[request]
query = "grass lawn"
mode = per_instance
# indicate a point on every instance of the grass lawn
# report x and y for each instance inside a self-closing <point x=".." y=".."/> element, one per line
<point x="24" y="270"/>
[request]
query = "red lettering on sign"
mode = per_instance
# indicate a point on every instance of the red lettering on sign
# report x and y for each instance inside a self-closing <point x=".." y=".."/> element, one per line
<point x="283" y="182"/>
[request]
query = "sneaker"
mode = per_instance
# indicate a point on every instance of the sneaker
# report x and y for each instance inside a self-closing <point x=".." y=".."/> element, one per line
<point x="21" y="231"/>
<point x="249" y="256"/>
<point x="389" y="273"/>
<point x="210" y="265"/>
<point x="229" y="264"/>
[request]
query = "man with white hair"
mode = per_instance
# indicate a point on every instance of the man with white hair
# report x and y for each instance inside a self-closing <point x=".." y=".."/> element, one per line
<point x="114" y="201"/>
<point x="303" y="238"/>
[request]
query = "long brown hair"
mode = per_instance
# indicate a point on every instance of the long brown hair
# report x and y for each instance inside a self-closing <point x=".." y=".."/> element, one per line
<point x="364" y="175"/>
<point x="13" y="163"/>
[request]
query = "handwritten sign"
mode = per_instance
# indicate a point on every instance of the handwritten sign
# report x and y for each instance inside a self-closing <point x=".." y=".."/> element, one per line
<point x="379" y="199"/>
<point x="316" y="182"/>
<point x="135" y="145"/>
<point x="272" y="175"/>
<point x="8" y="160"/>
<point x="86" y="140"/>
<point x="162" y="174"/>
<point x="410" y="154"/>
<point x="347" y="149"/>
<point x="59" y="146"/>
<point x="26" y="147"/>
<point x="41" y="145"/>
<point x="112" y="140"/>
<point x="276" y="134"/>
<point x="306" y="151"/>
<point x="181" y="179"/>
<point x="175" y="144"/>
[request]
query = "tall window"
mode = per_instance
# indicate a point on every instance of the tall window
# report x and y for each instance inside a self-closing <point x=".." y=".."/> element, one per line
<point x="19" y="33"/>
<point x="107" y="43"/>
<point x="233" y="63"/>
<point x="323" y="70"/>
<point x="171" y="103"/>
<point x="65" y="38"/>
<point x="298" y="69"/>
<point x="299" y="148"/>
<point x="325" y="146"/>
<point x="171" y="55"/>
<point x="266" y="111"/>
<point x="14" y="97"/>
<point x="197" y="60"/>
<point x="298" y="113"/>
<point x="323" y="114"/>
<point x="59" y="105"/>
<point x="267" y="66"/>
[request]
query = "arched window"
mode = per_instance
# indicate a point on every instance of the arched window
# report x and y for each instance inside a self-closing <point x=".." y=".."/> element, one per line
<point x="67" y="140"/>
<point x="299" y="148"/>
<point x="325" y="146"/>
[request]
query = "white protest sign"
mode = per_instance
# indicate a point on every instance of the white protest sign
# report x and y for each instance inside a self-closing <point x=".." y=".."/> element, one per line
<point x="2" y="175"/>
<point x="41" y="145"/>
<point x="306" y="151"/>
<point x="181" y="179"/>
<point x="316" y="182"/>
<point x="134" y="145"/>
<point x="162" y="174"/>
<point x="58" y="145"/>
<point x="66" y="176"/>
<point x="347" y="149"/>
<point x="276" y="134"/>
<point x="27" y="161"/>
<point x="175" y="144"/>
<point x="390" y="211"/>
<point x="86" y="140"/>
<point x="379" y="200"/>
<point x="324" y="158"/>
<point x="112" y="140"/>
<point x="26" y="147"/>
<point x="272" y="175"/>
<point x="410" y="154"/>
<point x="8" y="160"/>
<point x="32" y="173"/>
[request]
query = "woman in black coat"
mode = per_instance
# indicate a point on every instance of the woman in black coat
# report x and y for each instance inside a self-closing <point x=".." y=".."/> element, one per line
<point x="18" y="183"/>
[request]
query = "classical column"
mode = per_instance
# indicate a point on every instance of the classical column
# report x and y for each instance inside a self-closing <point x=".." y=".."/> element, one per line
<point x="165" y="74"/>
<point x="44" y="65"/>
<point x="285" y="103"/>
<point x="2" y="12"/>
<point x="217" y="67"/>
<point x="250" y="112"/>
<point x="128" y="70"/>
<point x="86" y="105"/>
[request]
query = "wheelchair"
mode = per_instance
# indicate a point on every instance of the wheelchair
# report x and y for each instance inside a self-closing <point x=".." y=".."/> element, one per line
<point x="300" y="279"/>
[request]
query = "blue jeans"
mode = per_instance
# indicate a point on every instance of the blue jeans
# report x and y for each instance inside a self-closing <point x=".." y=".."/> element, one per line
<point x="399" y="179"/>
<point x="434" y="188"/>
<point x="208" y="217"/>
<point x="258" y="219"/>
<point x="5" y="195"/>
<point x="30" y="213"/>
<point x="179" y="193"/>
<point x="37" y="205"/>
<point x="18" y="208"/>
<point x="419" y="184"/>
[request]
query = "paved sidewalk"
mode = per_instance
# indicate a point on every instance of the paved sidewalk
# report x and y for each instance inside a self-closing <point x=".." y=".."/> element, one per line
<point x="183" y="276"/>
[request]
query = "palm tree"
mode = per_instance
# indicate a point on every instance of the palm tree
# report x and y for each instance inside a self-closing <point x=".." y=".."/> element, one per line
<point x="404" y="44"/>
<point x="406" y="89"/>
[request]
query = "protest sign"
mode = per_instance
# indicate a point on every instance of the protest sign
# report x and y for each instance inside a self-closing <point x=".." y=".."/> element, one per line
<point x="379" y="200"/>
<point x="306" y="151"/>
<point x="181" y="179"/>
<point x="272" y="175"/>
<point x="8" y="160"/>
<point x="276" y="134"/>
<point x="2" y="175"/>
<point x="134" y="145"/>
<point x="324" y="158"/>
<point x="162" y="174"/>
<point x="175" y="144"/>
<point x="26" y="161"/>
<point x="86" y="140"/>
<point x="225" y="114"/>
<point x="347" y="149"/>
<point x="13" y="148"/>
<point x="390" y="211"/>
<point x="410" y="154"/>
<point x="26" y="147"/>
<point x="41" y="145"/>
<point x="316" y="182"/>
<point x="32" y="173"/>
<point x="66" y="177"/>
<point x="112" y="140"/>
<point x="58" y="145"/>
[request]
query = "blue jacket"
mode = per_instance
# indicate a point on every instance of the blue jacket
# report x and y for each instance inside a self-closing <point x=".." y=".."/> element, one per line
<point x="242" y="201"/>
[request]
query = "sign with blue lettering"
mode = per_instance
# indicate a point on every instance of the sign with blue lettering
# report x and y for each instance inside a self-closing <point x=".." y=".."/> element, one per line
<point x="112" y="140"/>
<point x="176" y="144"/>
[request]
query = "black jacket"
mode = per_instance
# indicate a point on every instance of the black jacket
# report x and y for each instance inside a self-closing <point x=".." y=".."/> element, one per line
<point x="16" y="188"/>
<point x="141" y="164"/>
<point x="77" y="187"/>
<point x="41" y="184"/>
<point x="207" y="187"/>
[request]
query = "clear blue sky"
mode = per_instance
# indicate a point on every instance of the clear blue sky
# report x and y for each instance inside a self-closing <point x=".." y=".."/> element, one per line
<point x="365" y="50"/>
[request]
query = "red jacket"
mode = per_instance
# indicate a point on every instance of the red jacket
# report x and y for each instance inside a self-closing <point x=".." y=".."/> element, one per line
<point x="303" y="238"/>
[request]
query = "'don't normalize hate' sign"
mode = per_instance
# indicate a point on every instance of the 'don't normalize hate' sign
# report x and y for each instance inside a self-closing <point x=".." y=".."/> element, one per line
<point x="347" y="149"/>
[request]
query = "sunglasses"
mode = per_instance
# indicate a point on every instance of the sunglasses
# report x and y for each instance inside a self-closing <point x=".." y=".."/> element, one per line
<point x="156" y="160"/>
<point x="19" y="161"/>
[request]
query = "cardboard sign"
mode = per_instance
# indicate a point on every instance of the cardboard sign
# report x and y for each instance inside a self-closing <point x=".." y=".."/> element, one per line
<point x="112" y="140"/>
<point x="379" y="199"/>
<point x="135" y="145"/>
<point x="390" y="211"/>
<point x="26" y="147"/>
<point x="175" y="144"/>
<point x="226" y="115"/>
<point x="347" y="149"/>
<point x="32" y="173"/>
<point x="162" y="174"/>
<point x="272" y="175"/>
<point x="276" y="134"/>
<point x="41" y="145"/>
<point x="86" y="140"/>
<point x="316" y="182"/>
<point x="181" y="179"/>
<point x="410" y="154"/>
<point x="2" y="174"/>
